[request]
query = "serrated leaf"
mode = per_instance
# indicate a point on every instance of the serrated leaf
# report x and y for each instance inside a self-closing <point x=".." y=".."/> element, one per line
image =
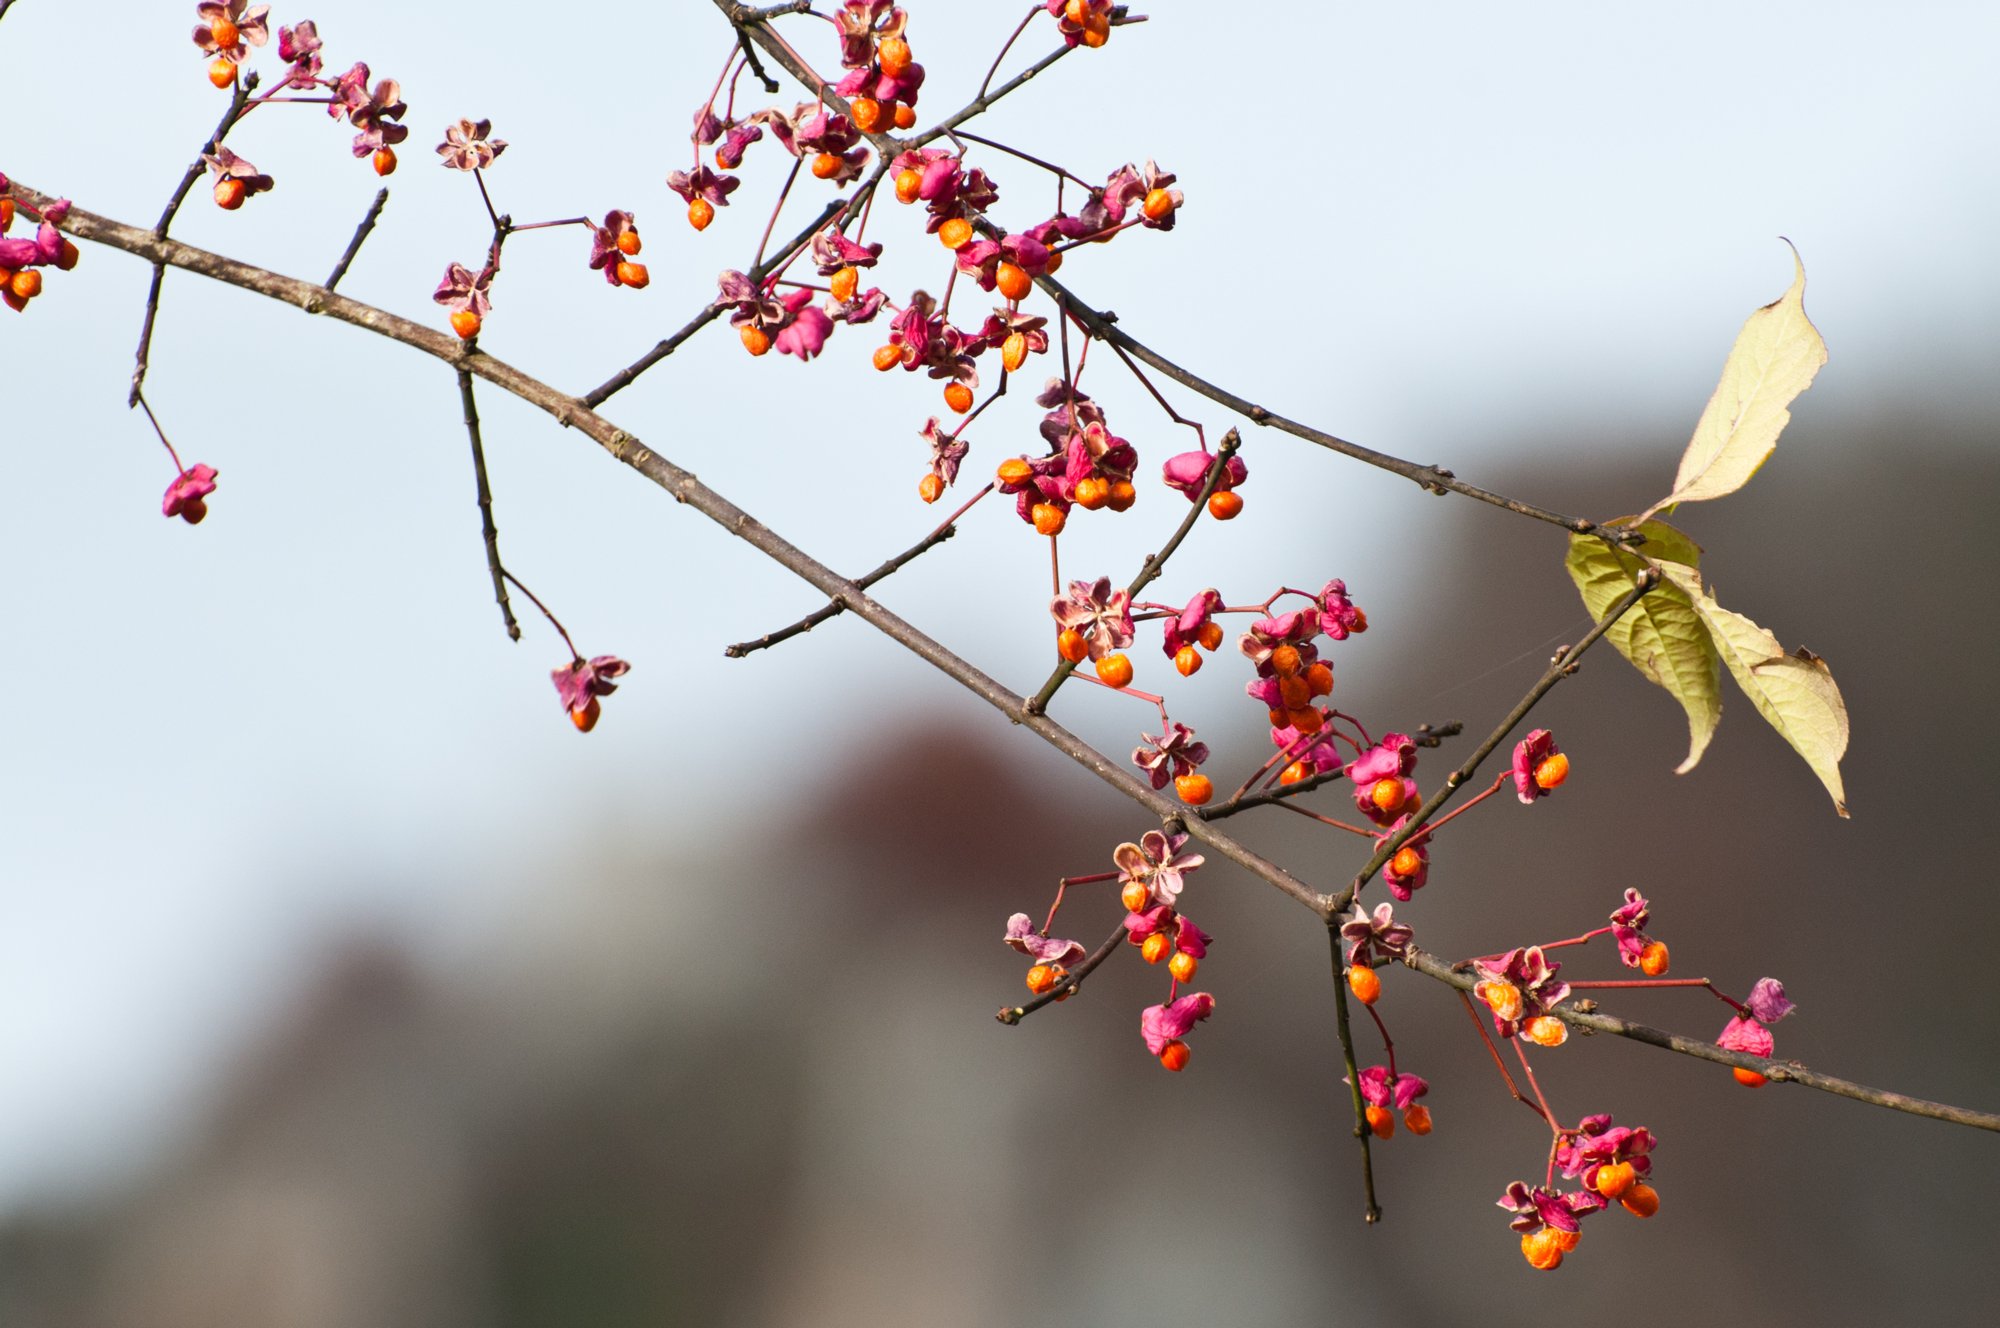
<point x="1795" y="693"/>
<point x="1774" y="359"/>
<point x="1662" y="635"/>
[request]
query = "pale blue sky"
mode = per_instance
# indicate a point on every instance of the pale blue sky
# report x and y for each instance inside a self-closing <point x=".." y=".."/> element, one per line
<point x="1434" y="228"/>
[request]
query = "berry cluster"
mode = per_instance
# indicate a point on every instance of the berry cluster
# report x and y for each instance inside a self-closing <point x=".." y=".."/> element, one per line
<point x="23" y="259"/>
<point x="846" y="142"/>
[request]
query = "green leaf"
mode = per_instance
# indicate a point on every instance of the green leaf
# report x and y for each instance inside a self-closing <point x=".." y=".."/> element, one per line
<point x="1662" y="634"/>
<point x="1774" y="359"/>
<point x="1795" y="693"/>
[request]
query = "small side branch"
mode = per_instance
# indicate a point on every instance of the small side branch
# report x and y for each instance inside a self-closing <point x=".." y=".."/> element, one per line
<point x="1371" y="1211"/>
<point x="361" y="233"/>
<point x="1776" y="1071"/>
<point x="834" y="608"/>
<point x="625" y="377"/>
<point x="140" y="357"/>
<point x="1434" y="478"/>
<point x="1071" y="980"/>
<point x="742" y="16"/>
<point x="486" y="526"/>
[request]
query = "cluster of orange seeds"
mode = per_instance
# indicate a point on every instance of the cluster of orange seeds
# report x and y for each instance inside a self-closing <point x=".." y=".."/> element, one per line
<point x="875" y="117"/>
<point x="629" y="273"/>
<point x="1299" y="685"/>
<point x="1188" y="660"/>
<point x="1544" y="1248"/>
<point x="1382" y="1121"/>
<point x="1093" y="19"/>
<point x="17" y="287"/>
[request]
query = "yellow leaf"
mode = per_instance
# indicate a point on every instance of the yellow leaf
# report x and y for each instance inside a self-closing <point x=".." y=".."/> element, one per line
<point x="1661" y="635"/>
<point x="1795" y="693"/>
<point x="1774" y="359"/>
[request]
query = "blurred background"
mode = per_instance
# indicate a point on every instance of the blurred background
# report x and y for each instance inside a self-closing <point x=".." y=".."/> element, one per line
<point x="341" y="982"/>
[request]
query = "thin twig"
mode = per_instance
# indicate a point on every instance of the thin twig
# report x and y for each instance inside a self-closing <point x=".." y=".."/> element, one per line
<point x="238" y="99"/>
<point x="687" y="489"/>
<point x="1281" y="794"/>
<point x="360" y="234"/>
<point x="1434" y="478"/>
<point x="1479" y="1025"/>
<point x="486" y="526"/>
<point x="1371" y="1211"/>
<point x="742" y="16"/>
<point x="1070" y="981"/>
<point x="1032" y="160"/>
<point x="1007" y="46"/>
<point x="1776" y="1071"/>
<point x="834" y="608"/>
<point x="624" y="378"/>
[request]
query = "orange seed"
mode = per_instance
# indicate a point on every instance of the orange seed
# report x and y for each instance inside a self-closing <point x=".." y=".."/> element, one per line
<point x="955" y="233"/>
<point x="1014" y="351"/>
<point x="1195" y="790"/>
<point x="1642" y="1200"/>
<point x="1013" y="281"/>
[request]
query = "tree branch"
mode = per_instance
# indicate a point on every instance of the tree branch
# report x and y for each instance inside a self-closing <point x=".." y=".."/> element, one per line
<point x="685" y="488"/>
<point x="361" y="233"/>
<point x="1371" y="1211"/>
<point x="488" y="530"/>
<point x="1776" y="1071"/>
